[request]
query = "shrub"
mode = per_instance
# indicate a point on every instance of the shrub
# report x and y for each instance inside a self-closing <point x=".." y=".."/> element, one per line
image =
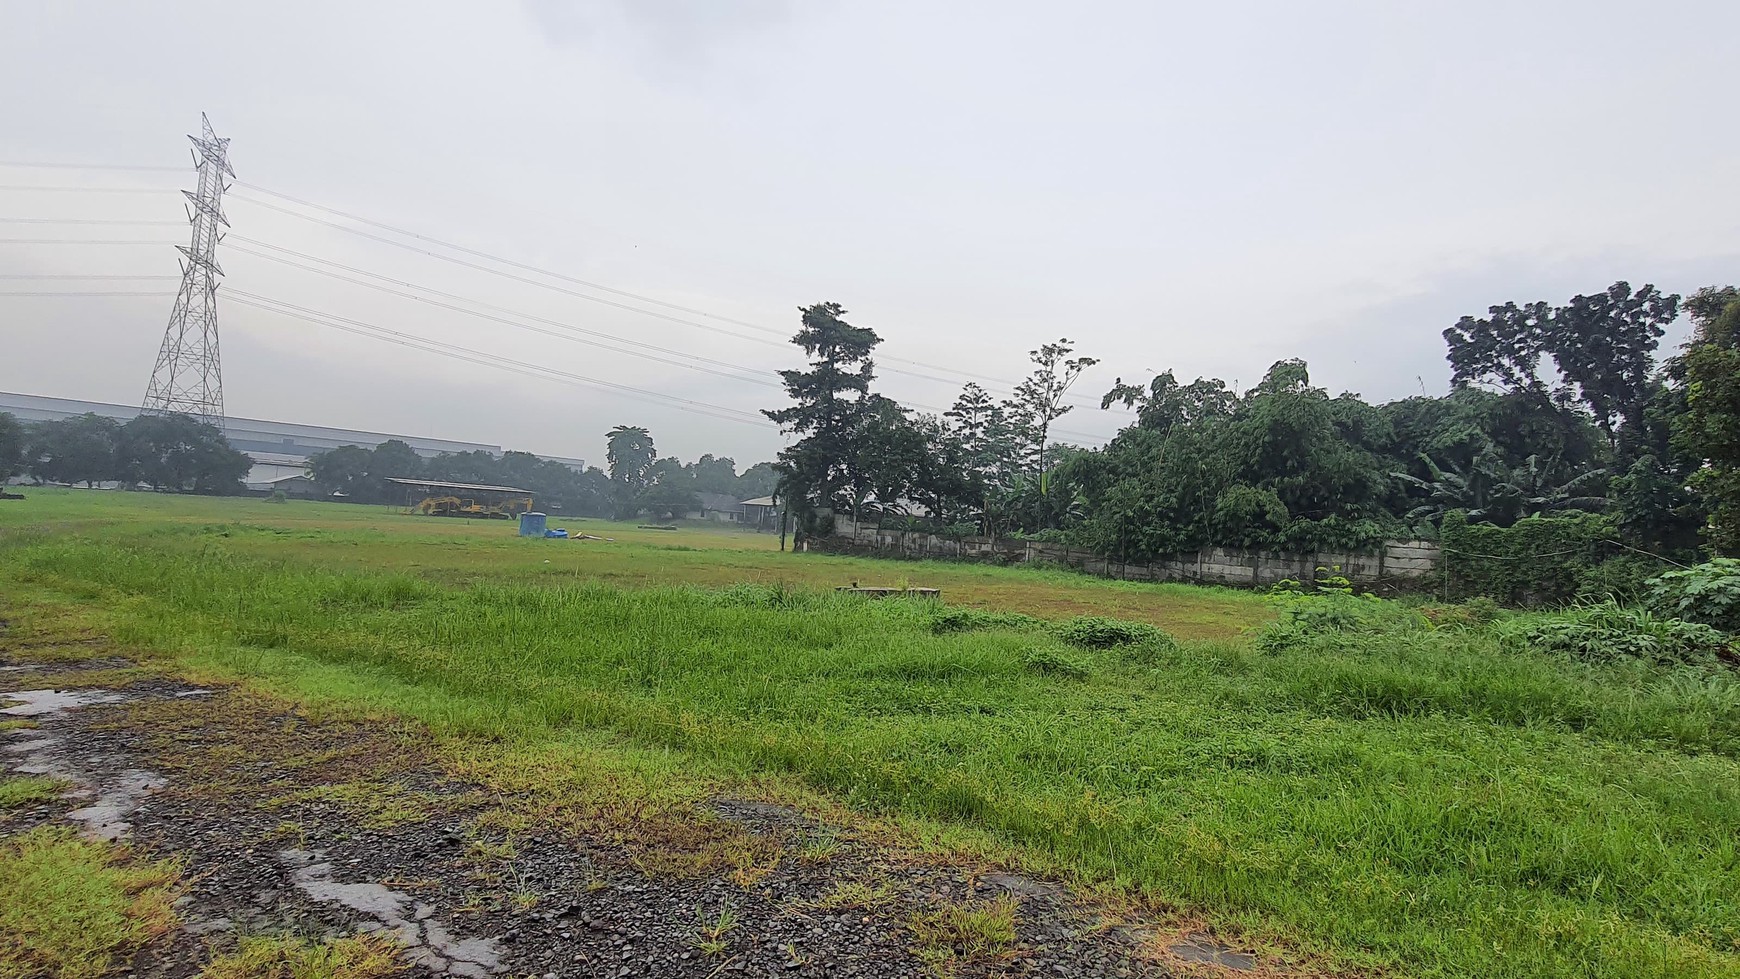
<point x="1623" y="578"/>
<point x="1708" y="593"/>
<point x="1333" y="611"/>
<point x="277" y="497"/>
<point x="1536" y="561"/>
<point x="1053" y="662"/>
<point x="1607" y="631"/>
<point x="1477" y="612"/>
<point x="954" y="619"/>
<point x="1099" y="632"/>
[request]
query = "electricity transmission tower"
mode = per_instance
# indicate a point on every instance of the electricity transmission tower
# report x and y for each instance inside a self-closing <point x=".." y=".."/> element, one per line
<point x="188" y="378"/>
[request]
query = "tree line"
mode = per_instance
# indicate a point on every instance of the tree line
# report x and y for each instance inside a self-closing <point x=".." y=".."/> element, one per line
<point x="175" y="453"/>
<point x="1553" y="410"/>
<point x="638" y="481"/>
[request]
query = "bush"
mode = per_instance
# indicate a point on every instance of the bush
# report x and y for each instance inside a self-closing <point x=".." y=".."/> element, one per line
<point x="1708" y="593"/>
<point x="1535" y="561"/>
<point x="1623" y="578"/>
<point x="1099" y="632"/>
<point x="1331" y="612"/>
<point x="1053" y="662"/>
<point x="278" y="497"/>
<point x="1606" y="631"/>
<point x="1475" y="613"/>
<point x="953" y="619"/>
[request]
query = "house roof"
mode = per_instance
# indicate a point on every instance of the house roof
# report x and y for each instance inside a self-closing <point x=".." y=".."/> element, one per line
<point x="474" y="487"/>
<point x="760" y="501"/>
<point x="722" y="502"/>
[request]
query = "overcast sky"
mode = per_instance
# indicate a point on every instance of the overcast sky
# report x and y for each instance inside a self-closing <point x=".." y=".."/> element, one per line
<point x="1201" y="187"/>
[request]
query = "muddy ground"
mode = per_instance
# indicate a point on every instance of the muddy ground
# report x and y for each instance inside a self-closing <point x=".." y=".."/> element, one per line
<point x="324" y="827"/>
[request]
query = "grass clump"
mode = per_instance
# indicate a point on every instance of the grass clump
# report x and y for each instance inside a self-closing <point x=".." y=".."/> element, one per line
<point x="24" y="790"/>
<point x="965" y="934"/>
<point x="1606" y="631"/>
<point x="1055" y="662"/>
<point x="855" y="895"/>
<point x="289" y="957"/>
<point x="1099" y="632"/>
<point x="71" y="908"/>
<point x="952" y="618"/>
<point x="15" y="724"/>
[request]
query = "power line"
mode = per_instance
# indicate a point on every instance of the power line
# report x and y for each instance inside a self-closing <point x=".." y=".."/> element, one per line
<point x="882" y="359"/>
<point x="745" y="373"/>
<point x="155" y="224"/>
<point x="124" y="295"/>
<point x="84" y="166"/>
<point x="79" y="241"/>
<point x="742" y="373"/>
<point x="488" y="359"/>
<point x="783" y="335"/>
<point x="165" y="278"/>
<point x="89" y="190"/>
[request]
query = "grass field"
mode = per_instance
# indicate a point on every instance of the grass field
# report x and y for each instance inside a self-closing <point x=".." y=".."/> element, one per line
<point x="1426" y="804"/>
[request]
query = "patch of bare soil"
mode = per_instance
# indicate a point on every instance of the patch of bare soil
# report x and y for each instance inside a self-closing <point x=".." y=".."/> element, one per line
<point x="318" y="827"/>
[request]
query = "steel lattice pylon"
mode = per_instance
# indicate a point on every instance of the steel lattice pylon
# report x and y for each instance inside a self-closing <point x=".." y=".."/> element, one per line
<point x="188" y="378"/>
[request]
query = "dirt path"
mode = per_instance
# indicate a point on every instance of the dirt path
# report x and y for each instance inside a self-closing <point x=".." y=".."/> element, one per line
<point x="324" y="828"/>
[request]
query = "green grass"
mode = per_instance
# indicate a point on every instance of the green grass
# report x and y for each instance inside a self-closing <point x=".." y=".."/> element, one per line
<point x="289" y="957"/>
<point x="17" y="792"/>
<point x="71" y="908"/>
<point x="353" y="537"/>
<point x="1426" y="803"/>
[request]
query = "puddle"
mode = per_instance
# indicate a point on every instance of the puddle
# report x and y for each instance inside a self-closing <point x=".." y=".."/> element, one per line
<point x="113" y="797"/>
<point x="106" y="818"/>
<point x="427" y="941"/>
<point x="1201" y="949"/>
<point x="32" y="703"/>
<point x="1022" y="886"/>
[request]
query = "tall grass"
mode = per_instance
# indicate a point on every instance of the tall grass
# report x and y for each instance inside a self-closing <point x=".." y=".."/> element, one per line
<point x="1426" y="801"/>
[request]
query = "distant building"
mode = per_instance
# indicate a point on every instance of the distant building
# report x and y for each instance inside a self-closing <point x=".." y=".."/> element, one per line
<point x="277" y="448"/>
<point x="722" y="507"/>
<point x="762" y="513"/>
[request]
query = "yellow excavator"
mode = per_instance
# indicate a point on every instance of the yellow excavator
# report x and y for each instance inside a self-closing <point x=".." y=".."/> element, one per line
<point x="454" y="506"/>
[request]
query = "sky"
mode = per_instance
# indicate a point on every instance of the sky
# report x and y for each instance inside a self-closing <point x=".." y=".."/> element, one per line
<point x="1205" y="188"/>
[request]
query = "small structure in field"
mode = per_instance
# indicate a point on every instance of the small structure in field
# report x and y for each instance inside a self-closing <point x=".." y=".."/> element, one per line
<point x="872" y="592"/>
<point x="438" y="498"/>
<point x="762" y="513"/>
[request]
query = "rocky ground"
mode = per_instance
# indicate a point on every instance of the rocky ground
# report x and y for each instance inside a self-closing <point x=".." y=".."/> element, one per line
<point x="319" y="826"/>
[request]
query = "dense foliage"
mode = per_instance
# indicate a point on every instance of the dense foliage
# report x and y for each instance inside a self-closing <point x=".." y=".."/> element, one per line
<point x="176" y="453"/>
<point x="1556" y="413"/>
<point x="638" y="482"/>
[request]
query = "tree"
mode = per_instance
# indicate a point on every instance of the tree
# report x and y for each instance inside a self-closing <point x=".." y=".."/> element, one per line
<point x="1164" y="403"/>
<point x="758" y="480"/>
<point x="1603" y="346"/>
<point x="11" y="447"/>
<point x="1710" y="428"/>
<point x="1038" y="400"/>
<point x="828" y="403"/>
<point x="181" y="454"/>
<point x="345" y="471"/>
<point x="394" y="459"/>
<point x="630" y="453"/>
<point x="1504" y="349"/>
<point x="74" y="450"/>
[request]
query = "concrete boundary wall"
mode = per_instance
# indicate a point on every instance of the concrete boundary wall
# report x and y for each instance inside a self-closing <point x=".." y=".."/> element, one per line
<point x="1396" y="561"/>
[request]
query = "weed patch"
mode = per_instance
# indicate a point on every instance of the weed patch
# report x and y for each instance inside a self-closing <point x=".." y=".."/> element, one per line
<point x="26" y="790"/>
<point x="289" y="957"/>
<point x="70" y="908"/>
<point x="965" y="934"/>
